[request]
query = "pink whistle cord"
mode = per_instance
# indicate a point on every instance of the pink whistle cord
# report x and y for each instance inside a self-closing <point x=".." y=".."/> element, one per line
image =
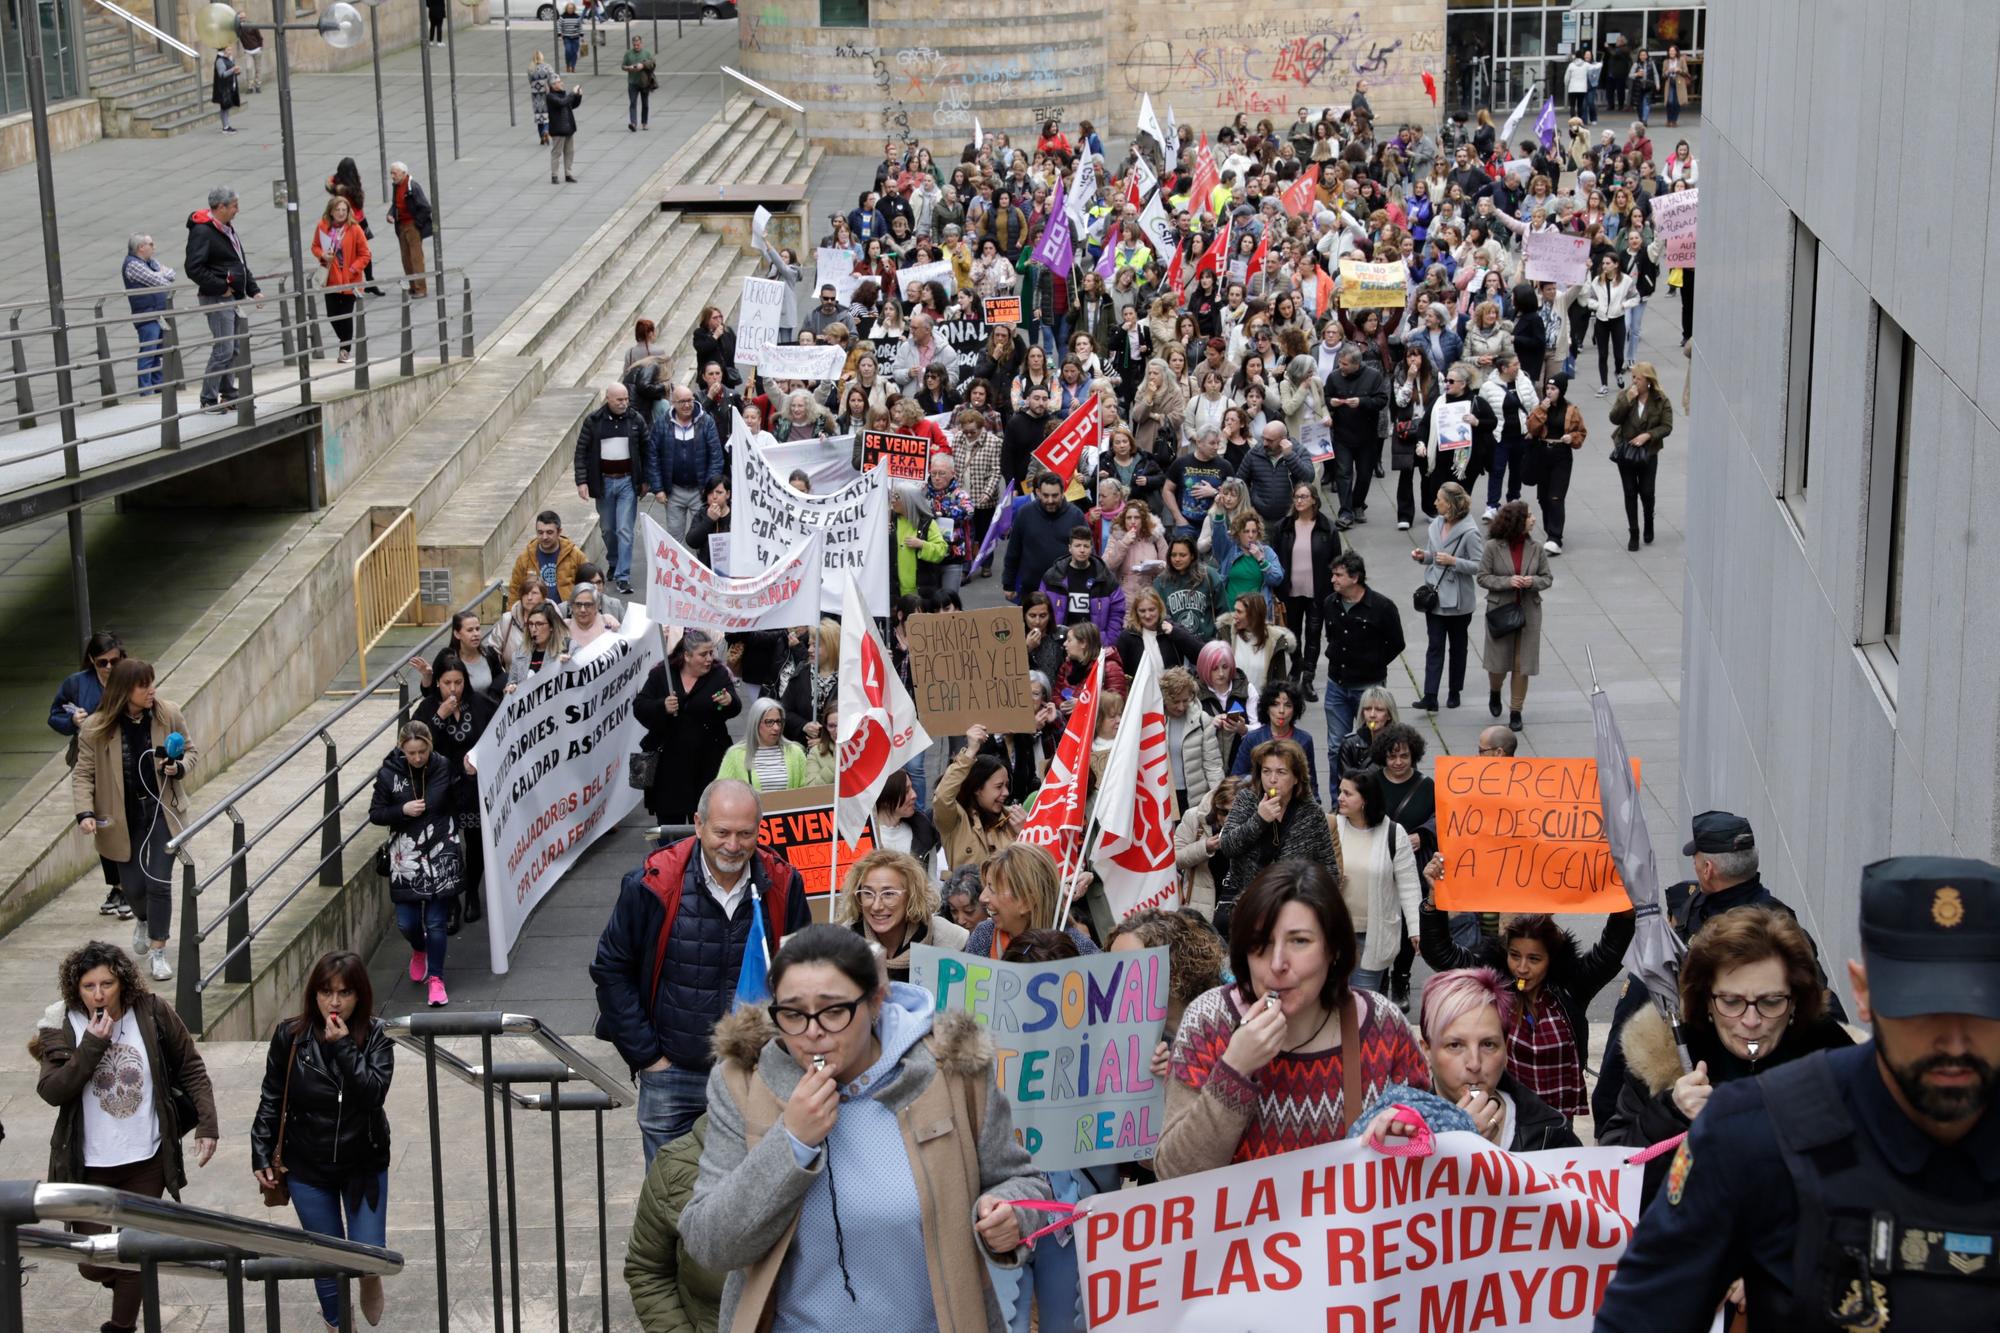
<point x="1660" y="1149"/>
<point x="1420" y="1143"/>
<point x="1071" y="1213"/>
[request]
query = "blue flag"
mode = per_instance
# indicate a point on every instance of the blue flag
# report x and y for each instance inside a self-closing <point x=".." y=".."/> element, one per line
<point x="1545" y="125"/>
<point x="753" y="979"/>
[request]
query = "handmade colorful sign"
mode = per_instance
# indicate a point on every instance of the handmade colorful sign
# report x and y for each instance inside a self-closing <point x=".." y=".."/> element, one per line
<point x="1373" y="286"/>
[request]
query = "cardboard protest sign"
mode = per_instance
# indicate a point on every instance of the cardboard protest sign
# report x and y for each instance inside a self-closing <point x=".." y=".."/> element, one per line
<point x="682" y="590"/>
<point x="1373" y="286"/>
<point x="1003" y="310"/>
<point x="1674" y="221"/>
<point x="1344" y="1238"/>
<point x="757" y="324"/>
<point x="828" y="464"/>
<point x="1554" y="257"/>
<point x="1073" y="1046"/>
<point x="970" y="667"/>
<point x="818" y="362"/>
<point x="1451" y="426"/>
<point x="909" y="280"/>
<point x="909" y="455"/>
<point x="771" y="519"/>
<point x="798" y="825"/>
<point x="551" y="771"/>
<point x="1524" y="835"/>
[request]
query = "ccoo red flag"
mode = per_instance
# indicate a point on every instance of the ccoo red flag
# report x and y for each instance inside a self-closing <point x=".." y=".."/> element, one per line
<point x="1201" y="195"/>
<point x="1063" y="450"/>
<point x="1298" y="196"/>
<point x="1056" y="825"/>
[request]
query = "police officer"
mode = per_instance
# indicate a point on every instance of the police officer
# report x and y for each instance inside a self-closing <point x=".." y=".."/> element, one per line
<point x="1853" y="1189"/>
<point x="1724" y="850"/>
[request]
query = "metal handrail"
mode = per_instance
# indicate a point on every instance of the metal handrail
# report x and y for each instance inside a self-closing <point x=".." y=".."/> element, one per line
<point x="411" y="1031"/>
<point x="727" y="73"/>
<point x="152" y="31"/>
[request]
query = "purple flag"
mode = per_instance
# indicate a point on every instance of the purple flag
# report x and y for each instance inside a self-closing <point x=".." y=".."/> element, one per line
<point x="1545" y="125"/>
<point x="1003" y="524"/>
<point x="1107" y="263"/>
<point x="1056" y="251"/>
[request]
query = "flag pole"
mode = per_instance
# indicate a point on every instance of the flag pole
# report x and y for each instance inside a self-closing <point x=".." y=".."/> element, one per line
<point x="1067" y="901"/>
<point x="1069" y="872"/>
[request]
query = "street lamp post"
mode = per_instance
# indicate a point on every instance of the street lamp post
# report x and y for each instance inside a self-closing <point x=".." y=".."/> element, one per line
<point x="375" y="59"/>
<point x="437" y="197"/>
<point x="451" y="69"/>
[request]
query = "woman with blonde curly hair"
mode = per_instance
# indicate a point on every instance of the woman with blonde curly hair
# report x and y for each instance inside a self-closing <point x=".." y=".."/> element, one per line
<point x="887" y="899"/>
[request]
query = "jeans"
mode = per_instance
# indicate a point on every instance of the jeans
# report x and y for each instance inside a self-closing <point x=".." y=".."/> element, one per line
<point x="1554" y="491"/>
<point x="915" y="768"/>
<point x="951" y="578"/>
<point x="227" y="329"/>
<point x="365" y="1201"/>
<point x="1673" y="103"/>
<point x="1302" y="614"/>
<point x="1406" y="498"/>
<point x="1050" y="1289"/>
<point x="422" y="924"/>
<point x="1342" y="701"/>
<point x="1367" y="978"/>
<point x="1610" y="349"/>
<point x="150" y="338"/>
<point x="1506" y="470"/>
<point x="1447" y="634"/>
<point x="570" y="47"/>
<point x="683" y="503"/>
<point x="147" y="880"/>
<point x="1633" y="319"/>
<point x="617" y="515"/>
<point x="638" y="105"/>
<point x="1645" y="107"/>
<point x="670" y="1101"/>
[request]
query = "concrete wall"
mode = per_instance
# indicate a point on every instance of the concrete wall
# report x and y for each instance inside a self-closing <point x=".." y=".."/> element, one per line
<point x="1785" y="717"/>
<point x="928" y="68"/>
<point x="71" y="125"/>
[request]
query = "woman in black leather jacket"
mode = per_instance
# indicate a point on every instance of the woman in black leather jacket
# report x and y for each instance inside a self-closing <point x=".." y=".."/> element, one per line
<point x="320" y="1128"/>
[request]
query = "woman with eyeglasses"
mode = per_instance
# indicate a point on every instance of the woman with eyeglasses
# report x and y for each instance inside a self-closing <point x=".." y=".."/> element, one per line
<point x="810" y="1180"/>
<point x="1751" y="999"/>
<point x="76" y="699"/>
<point x="888" y="900"/>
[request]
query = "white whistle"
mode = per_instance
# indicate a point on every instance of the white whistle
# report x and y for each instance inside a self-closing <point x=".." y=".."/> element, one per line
<point x="819" y="1064"/>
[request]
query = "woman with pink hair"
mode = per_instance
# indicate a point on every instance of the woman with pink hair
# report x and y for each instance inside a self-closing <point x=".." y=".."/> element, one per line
<point x="1224" y="695"/>
<point x="1464" y="1018"/>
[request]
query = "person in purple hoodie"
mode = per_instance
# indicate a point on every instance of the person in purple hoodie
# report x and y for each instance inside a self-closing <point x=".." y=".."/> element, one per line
<point x="1082" y="587"/>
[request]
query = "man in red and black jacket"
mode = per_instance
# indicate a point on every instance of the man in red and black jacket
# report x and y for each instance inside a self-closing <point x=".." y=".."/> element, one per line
<point x="667" y="962"/>
<point x="220" y="270"/>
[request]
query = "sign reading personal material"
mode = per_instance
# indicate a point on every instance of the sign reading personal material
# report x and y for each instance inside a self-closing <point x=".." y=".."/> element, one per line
<point x="682" y="590"/>
<point x="780" y="361"/>
<point x="552" y="771"/>
<point x="909" y="455"/>
<point x="1523" y="834"/>
<point x="757" y="326"/>
<point x="971" y="667"/>
<point x="1372" y="286"/>
<point x="1346" y="1239"/>
<point x="1073" y="1045"/>
<point x="772" y="520"/>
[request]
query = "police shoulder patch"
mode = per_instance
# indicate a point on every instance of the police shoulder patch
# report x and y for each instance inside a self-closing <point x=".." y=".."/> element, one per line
<point x="1677" y="1174"/>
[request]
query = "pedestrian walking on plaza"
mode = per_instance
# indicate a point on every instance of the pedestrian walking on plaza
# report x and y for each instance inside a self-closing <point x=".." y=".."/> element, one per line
<point x="570" y="28"/>
<point x="1514" y="570"/>
<point x="1452" y="547"/>
<point x="321" y="1134"/>
<point x="640" y="85"/>
<point x="434" y="10"/>
<point x="1555" y="432"/>
<point x="220" y="270"/>
<point x="76" y="699"/>
<point x="227" y="89"/>
<point x="540" y="75"/>
<point x="143" y="275"/>
<point x="342" y="250"/>
<point x="127" y="1081"/>
<point x="610" y="452"/>
<point x="415" y="799"/>
<point x="1641" y="420"/>
<point x="410" y="216"/>
<point x="128" y="795"/>
<point x="562" y="130"/>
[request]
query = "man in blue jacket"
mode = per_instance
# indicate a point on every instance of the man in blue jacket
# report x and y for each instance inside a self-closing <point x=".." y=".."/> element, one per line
<point x="1040" y="537"/>
<point x="147" y="279"/>
<point x="682" y="457"/>
<point x="667" y="962"/>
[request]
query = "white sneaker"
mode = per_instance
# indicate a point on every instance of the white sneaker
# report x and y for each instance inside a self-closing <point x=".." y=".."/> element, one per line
<point x="158" y="959"/>
<point x="1553" y="548"/>
<point x="1601" y="391"/>
<point x="1487" y="517"/>
<point x="1402" y="527"/>
<point x="141" y="944"/>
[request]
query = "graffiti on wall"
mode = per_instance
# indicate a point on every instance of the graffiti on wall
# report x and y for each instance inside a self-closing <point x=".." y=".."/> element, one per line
<point x="957" y="84"/>
<point x="1274" y="65"/>
<point x="894" y="111"/>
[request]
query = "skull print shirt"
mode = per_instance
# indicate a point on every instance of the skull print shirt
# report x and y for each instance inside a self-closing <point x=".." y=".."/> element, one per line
<point x="119" y="1123"/>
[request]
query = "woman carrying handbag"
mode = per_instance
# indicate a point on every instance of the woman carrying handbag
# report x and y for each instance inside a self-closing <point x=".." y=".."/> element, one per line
<point x="320" y="1140"/>
<point x="1514" y="571"/>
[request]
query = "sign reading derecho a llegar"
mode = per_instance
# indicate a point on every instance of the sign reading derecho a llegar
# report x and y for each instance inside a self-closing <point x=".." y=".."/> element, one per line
<point x="772" y="519"/>
<point x="682" y="590"/>
<point x="551" y="771"/>
<point x="757" y="325"/>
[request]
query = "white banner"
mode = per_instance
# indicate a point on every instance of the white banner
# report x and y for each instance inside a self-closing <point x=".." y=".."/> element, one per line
<point x="682" y="591"/>
<point x="1082" y="194"/>
<point x="910" y="279"/>
<point x="1158" y="227"/>
<point x="1344" y="1238"/>
<point x="551" y="771"/>
<point x="772" y="519"/>
<point x="818" y="362"/>
<point x="1553" y="257"/>
<point x="757" y="325"/>
<point x="828" y="464"/>
<point x="1135" y="804"/>
<point x="1150" y="123"/>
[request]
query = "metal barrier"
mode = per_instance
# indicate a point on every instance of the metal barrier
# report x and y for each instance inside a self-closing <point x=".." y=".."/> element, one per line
<point x="758" y="90"/>
<point x="502" y="1082"/>
<point x="234" y="917"/>
<point x="385" y="585"/>
<point x="156" y="1234"/>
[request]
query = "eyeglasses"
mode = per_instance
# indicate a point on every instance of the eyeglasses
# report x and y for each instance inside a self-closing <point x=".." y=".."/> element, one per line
<point x="1733" y="1006"/>
<point x="883" y="896"/>
<point x="108" y="662"/>
<point x="834" y="1018"/>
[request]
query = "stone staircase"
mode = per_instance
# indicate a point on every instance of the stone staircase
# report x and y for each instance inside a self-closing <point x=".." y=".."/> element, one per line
<point x="148" y="92"/>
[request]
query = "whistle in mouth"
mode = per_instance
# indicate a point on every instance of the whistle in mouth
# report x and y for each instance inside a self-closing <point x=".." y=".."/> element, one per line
<point x="1271" y="1000"/>
<point x="1754" y="1046"/>
<point x="819" y="1064"/>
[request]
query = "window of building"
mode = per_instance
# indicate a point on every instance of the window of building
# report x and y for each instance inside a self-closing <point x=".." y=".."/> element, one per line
<point x="1887" y="498"/>
<point x="1798" y="397"/>
<point x="843" y="13"/>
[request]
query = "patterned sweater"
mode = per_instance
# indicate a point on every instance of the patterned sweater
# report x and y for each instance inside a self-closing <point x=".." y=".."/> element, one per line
<point x="1293" y="1102"/>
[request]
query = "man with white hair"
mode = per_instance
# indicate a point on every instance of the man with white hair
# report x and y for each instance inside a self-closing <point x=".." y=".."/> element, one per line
<point x="410" y="214"/>
<point x="219" y="268"/>
<point x="919" y="352"/>
<point x="143" y="276"/>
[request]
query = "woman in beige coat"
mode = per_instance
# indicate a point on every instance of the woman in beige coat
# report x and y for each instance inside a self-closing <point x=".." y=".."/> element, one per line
<point x="1514" y="571"/>
<point x="127" y="791"/>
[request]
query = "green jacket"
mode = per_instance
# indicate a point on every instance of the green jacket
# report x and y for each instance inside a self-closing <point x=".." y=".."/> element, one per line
<point x="637" y="64"/>
<point x="933" y="550"/>
<point x="736" y="765"/>
<point x="670" y="1292"/>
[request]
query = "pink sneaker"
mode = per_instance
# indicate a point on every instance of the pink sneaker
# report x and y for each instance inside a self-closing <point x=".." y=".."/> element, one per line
<point x="438" y="999"/>
<point x="419" y="965"/>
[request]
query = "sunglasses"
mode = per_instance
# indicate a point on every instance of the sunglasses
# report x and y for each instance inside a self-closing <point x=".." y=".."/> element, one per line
<point x="106" y="662"/>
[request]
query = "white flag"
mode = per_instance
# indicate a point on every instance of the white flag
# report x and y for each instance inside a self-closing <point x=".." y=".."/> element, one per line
<point x="1507" y="130"/>
<point x="1150" y="123"/>
<point x="879" y="731"/>
<point x="1081" y="195"/>
<point x="1157" y="226"/>
<point x="1173" y="141"/>
<point x="1142" y="172"/>
<point x="978" y="135"/>
<point x="1135" y="805"/>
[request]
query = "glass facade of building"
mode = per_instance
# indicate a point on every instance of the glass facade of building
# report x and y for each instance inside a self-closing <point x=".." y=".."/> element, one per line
<point x="1495" y="52"/>
<point x="62" y="51"/>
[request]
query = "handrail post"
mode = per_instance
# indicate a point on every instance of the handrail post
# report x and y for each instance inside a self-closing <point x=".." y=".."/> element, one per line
<point x="409" y="350"/>
<point x="107" y="382"/>
<point x="237" y="969"/>
<point x="187" y="1001"/>
<point x="239" y="330"/>
<point x="465" y="282"/>
<point x="330" y="875"/>
<point x="360" y="340"/>
<point x="437" y="1189"/>
<point x="24" y="396"/>
<point x="492" y="1175"/>
<point x="562" y="1247"/>
<point x="284" y="324"/>
<point x="170" y="384"/>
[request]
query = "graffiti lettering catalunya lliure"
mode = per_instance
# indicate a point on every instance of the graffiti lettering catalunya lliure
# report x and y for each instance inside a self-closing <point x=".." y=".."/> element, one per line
<point x="1273" y="65"/>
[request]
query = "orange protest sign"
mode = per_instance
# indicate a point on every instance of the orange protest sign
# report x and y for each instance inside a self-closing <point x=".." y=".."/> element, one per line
<point x="798" y="825"/>
<point x="1003" y="310"/>
<point x="1524" y="835"/>
<point x="909" y="455"/>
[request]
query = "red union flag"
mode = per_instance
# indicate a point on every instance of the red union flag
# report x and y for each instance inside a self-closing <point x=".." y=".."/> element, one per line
<point x="1063" y="450"/>
<point x="1135" y="805"/>
<point x="1201" y="192"/>
<point x="1298" y="196"/>
<point x="879" y="732"/>
<point x="1057" y="822"/>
